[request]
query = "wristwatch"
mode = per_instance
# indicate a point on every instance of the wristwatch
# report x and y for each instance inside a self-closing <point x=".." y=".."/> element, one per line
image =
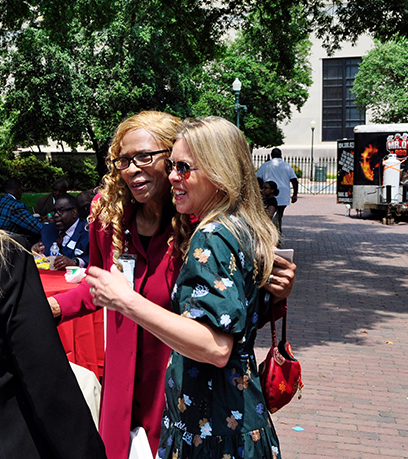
<point x="76" y="261"/>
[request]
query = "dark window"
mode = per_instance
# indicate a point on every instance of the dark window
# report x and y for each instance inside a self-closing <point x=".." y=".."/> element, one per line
<point x="340" y="114"/>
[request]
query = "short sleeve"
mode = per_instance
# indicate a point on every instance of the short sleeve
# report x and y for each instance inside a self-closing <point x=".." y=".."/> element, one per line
<point x="211" y="285"/>
<point x="291" y="172"/>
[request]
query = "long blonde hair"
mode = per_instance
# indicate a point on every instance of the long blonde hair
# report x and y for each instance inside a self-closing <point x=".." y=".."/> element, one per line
<point x="5" y="242"/>
<point x="220" y="149"/>
<point x="115" y="194"/>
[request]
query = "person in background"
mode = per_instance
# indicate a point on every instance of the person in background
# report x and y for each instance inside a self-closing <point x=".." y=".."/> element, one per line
<point x="84" y="199"/>
<point x="269" y="193"/>
<point x="214" y="402"/>
<point x="132" y="215"/>
<point x="15" y="218"/>
<point x="43" y="413"/>
<point x="70" y="233"/>
<point x="283" y="174"/>
<point x="46" y="204"/>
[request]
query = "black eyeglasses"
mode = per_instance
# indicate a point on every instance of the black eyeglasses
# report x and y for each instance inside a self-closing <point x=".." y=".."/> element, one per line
<point x="139" y="160"/>
<point x="61" y="211"/>
<point x="183" y="169"/>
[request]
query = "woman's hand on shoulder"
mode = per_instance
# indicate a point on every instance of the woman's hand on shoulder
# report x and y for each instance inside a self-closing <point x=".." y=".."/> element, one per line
<point x="283" y="279"/>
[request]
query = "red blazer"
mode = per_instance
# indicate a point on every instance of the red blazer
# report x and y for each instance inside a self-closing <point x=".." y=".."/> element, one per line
<point x="135" y="361"/>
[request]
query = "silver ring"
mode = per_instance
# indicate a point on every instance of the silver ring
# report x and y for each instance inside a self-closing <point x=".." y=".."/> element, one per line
<point x="270" y="279"/>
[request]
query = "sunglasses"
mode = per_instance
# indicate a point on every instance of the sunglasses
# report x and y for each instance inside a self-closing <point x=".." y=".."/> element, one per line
<point x="183" y="169"/>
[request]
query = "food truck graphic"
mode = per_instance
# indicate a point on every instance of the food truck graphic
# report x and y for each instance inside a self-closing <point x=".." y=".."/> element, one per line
<point x="378" y="179"/>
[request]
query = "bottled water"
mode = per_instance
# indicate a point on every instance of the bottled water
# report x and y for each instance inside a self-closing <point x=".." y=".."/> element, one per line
<point x="54" y="252"/>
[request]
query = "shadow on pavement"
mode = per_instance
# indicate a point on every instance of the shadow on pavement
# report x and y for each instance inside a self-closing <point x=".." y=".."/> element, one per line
<point x="352" y="273"/>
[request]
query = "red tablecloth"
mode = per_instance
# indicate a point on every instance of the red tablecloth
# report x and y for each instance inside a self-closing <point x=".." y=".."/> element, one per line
<point x="82" y="338"/>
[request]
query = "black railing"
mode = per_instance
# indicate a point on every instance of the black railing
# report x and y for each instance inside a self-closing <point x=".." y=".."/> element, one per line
<point x="319" y="177"/>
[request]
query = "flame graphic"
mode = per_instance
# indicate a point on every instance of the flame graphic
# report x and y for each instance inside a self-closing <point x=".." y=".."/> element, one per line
<point x="348" y="179"/>
<point x="367" y="155"/>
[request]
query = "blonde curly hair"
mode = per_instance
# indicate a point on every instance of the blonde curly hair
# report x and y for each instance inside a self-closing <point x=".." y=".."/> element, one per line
<point x="114" y="193"/>
<point x="220" y="149"/>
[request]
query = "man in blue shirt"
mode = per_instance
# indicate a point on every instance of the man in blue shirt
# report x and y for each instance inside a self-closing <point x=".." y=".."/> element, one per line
<point x="15" y="218"/>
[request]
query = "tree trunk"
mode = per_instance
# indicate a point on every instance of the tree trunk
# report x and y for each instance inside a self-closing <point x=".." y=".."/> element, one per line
<point x="94" y="141"/>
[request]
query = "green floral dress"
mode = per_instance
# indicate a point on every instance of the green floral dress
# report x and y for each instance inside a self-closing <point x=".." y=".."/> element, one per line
<point x="216" y="412"/>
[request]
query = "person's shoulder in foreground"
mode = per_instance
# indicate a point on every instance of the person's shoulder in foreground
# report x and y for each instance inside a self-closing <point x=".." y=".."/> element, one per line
<point x="33" y="426"/>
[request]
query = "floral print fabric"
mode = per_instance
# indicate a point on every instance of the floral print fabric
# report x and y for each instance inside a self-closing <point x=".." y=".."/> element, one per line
<point x="216" y="412"/>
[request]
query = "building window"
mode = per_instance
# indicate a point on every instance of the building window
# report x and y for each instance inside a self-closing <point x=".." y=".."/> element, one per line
<point x="340" y="114"/>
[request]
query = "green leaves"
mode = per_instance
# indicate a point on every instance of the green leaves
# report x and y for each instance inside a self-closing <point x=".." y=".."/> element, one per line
<point x="347" y="20"/>
<point x="76" y="69"/>
<point x="382" y="81"/>
<point x="270" y="87"/>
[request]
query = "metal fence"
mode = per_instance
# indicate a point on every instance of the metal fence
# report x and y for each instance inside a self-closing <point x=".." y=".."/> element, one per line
<point x="319" y="177"/>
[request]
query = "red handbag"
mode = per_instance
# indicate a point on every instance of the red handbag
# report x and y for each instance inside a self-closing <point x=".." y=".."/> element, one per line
<point x="280" y="372"/>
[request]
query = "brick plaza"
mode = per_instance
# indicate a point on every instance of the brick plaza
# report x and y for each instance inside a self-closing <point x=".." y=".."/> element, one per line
<point x="348" y="326"/>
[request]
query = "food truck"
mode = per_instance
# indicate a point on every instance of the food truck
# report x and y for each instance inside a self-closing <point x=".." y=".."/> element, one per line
<point x="373" y="168"/>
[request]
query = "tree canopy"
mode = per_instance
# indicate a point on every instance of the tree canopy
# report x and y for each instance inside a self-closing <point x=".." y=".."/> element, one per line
<point x="71" y="71"/>
<point x="382" y="80"/>
<point x="340" y="21"/>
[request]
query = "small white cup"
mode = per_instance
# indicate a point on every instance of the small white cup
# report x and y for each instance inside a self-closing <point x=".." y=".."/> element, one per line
<point x="52" y="258"/>
<point x="71" y="270"/>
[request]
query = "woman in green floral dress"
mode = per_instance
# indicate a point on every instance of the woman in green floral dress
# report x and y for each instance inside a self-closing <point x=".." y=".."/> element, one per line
<point x="215" y="407"/>
<point x="211" y="411"/>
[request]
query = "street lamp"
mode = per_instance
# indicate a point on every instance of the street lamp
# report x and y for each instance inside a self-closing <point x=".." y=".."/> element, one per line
<point x="312" y="126"/>
<point x="236" y="87"/>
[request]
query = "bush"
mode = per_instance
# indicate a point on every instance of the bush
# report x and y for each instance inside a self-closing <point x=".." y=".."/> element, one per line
<point x="298" y="172"/>
<point x="79" y="172"/>
<point x="6" y="171"/>
<point x="35" y="174"/>
<point x="38" y="175"/>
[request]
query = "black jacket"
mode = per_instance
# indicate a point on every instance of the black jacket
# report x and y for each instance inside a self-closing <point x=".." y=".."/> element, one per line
<point x="43" y="414"/>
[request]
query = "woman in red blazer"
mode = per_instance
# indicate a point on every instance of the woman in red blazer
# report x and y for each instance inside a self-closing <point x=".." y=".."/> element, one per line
<point x="132" y="214"/>
<point x="43" y="414"/>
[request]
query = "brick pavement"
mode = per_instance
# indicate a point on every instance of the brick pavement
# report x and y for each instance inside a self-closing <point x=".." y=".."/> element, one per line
<point x="347" y="324"/>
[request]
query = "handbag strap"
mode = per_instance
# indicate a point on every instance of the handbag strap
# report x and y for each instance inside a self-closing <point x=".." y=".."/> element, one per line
<point x="273" y="328"/>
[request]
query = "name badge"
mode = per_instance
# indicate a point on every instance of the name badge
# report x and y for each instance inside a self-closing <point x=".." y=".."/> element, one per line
<point x="128" y="263"/>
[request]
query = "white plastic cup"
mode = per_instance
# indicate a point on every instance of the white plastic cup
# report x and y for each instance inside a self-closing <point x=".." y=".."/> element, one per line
<point x="52" y="258"/>
<point x="71" y="270"/>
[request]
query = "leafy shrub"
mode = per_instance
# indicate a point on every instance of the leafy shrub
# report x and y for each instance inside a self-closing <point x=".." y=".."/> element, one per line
<point x="35" y="174"/>
<point x="79" y="172"/>
<point x="298" y="172"/>
<point x="6" y="172"/>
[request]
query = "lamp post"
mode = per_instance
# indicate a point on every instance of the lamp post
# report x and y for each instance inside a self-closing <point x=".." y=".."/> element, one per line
<point x="236" y="87"/>
<point x="312" y="126"/>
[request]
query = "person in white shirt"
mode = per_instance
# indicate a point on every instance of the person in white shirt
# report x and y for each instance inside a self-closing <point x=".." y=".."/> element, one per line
<point x="282" y="173"/>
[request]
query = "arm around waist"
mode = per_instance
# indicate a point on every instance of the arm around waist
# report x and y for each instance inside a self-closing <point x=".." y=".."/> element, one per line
<point x="75" y="303"/>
